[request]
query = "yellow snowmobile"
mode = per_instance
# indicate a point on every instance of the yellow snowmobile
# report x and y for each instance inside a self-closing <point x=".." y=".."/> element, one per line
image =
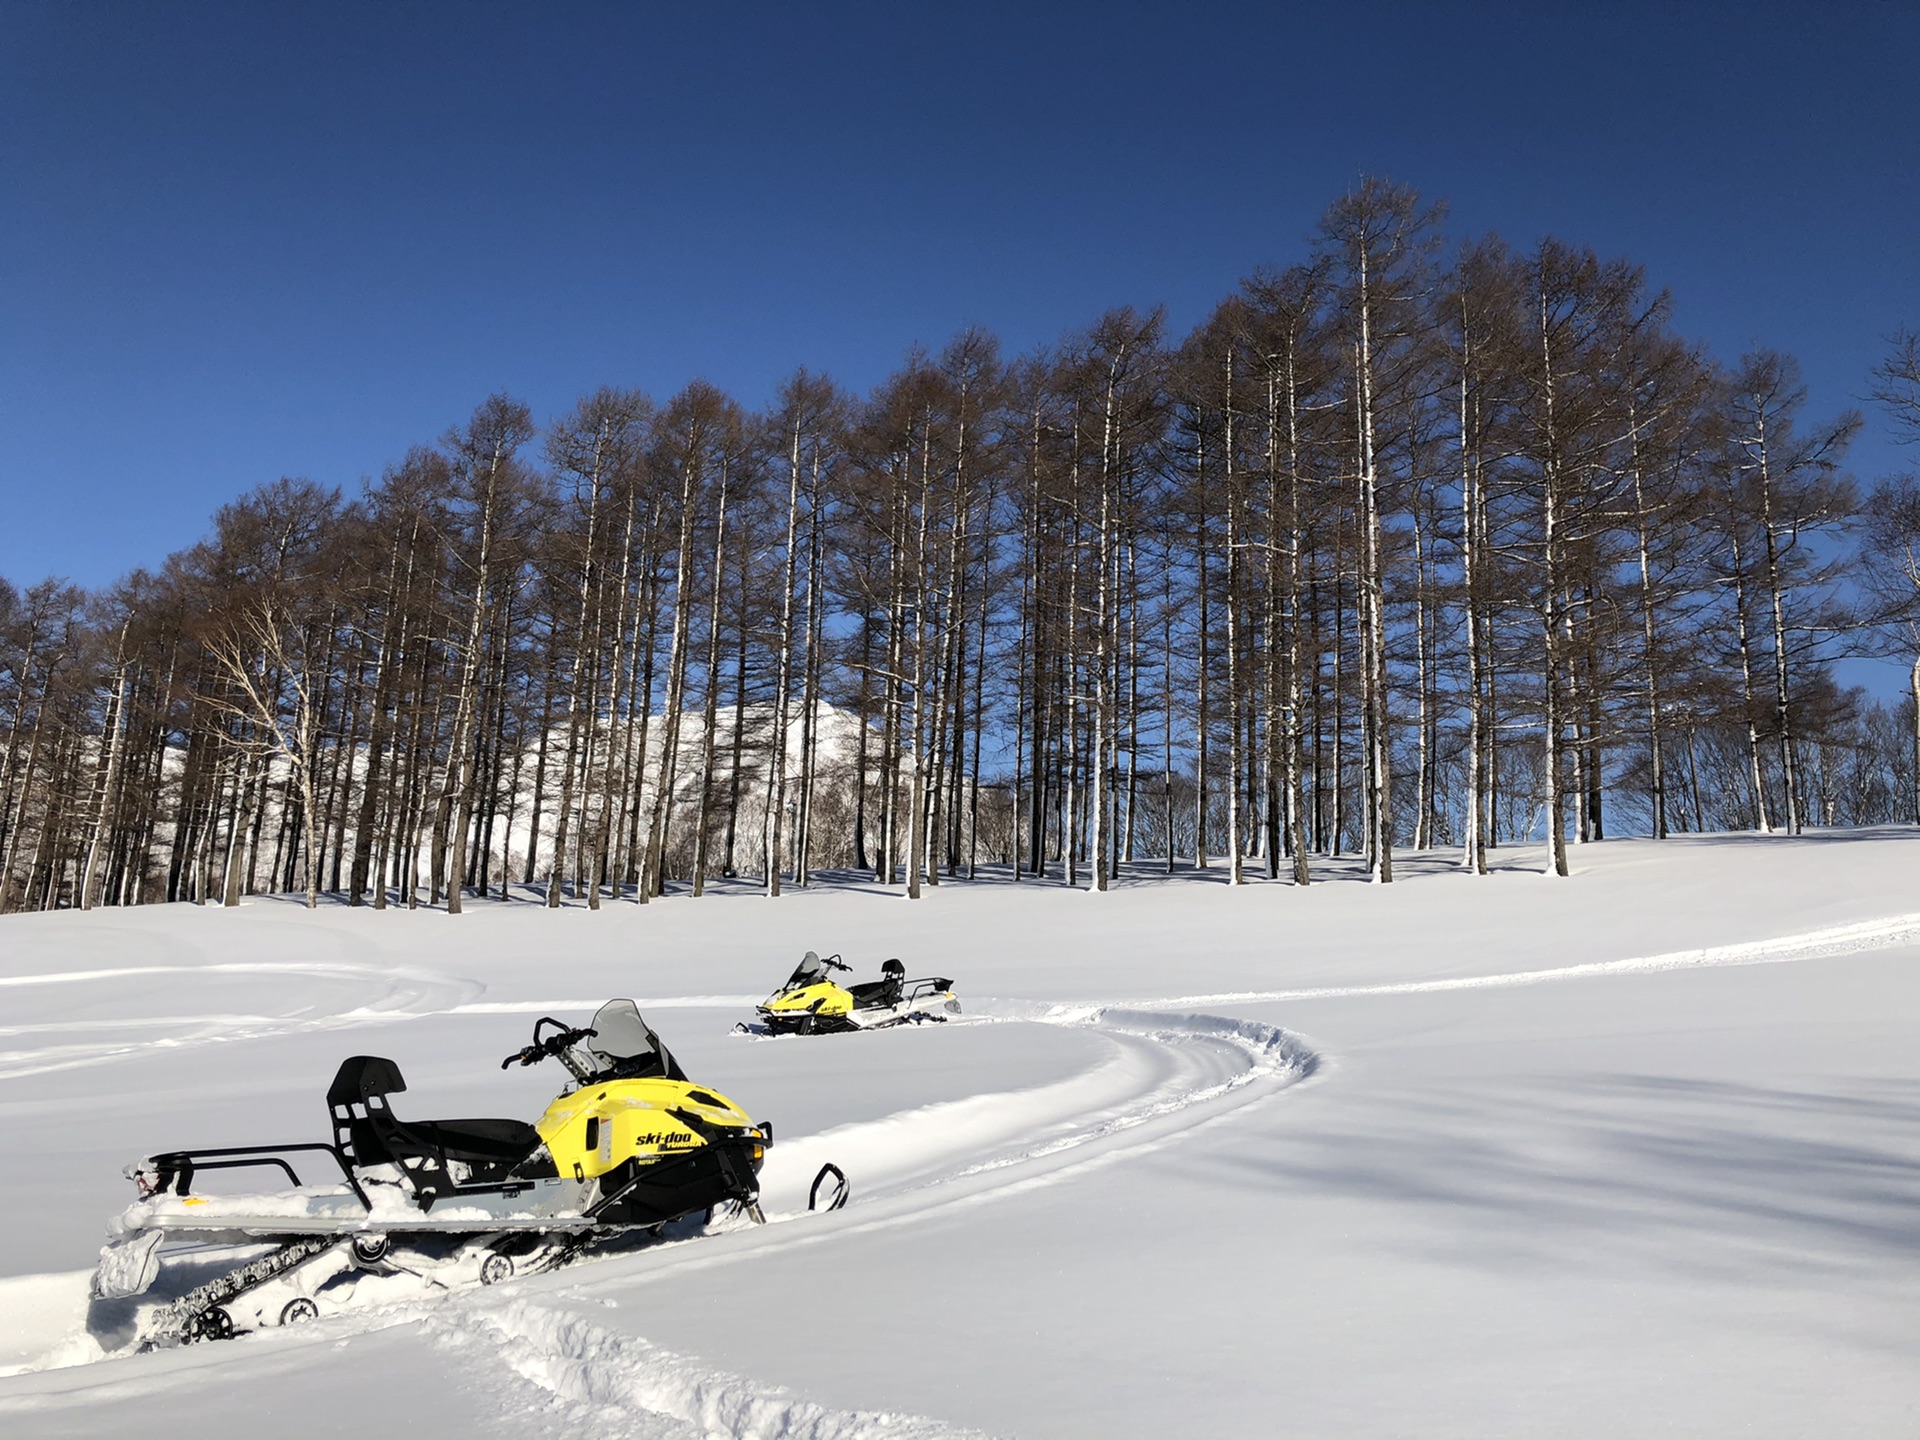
<point x="812" y="1003"/>
<point x="633" y="1146"/>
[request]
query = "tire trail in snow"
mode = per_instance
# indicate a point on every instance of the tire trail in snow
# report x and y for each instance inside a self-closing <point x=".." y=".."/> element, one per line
<point x="1879" y="934"/>
<point x="1163" y="1065"/>
<point x="641" y="1390"/>
<point x="388" y="994"/>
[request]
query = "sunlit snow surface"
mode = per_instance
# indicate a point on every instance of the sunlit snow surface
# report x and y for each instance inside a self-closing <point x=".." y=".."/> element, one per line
<point x="1632" y="1154"/>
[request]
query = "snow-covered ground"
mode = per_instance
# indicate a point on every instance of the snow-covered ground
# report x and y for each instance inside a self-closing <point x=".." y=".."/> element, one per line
<point x="1632" y="1154"/>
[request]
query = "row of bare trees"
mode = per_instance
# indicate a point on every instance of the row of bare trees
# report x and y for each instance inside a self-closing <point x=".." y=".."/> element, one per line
<point x="1411" y="544"/>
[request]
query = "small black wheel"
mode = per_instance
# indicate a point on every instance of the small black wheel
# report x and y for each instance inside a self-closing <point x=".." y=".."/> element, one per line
<point x="370" y="1249"/>
<point x="212" y="1323"/>
<point x="299" y="1311"/>
<point x="495" y="1268"/>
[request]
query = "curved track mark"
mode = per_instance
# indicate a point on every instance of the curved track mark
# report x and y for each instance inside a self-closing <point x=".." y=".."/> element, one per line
<point x="386" y="993"/>
<point x="1879" y="934"/>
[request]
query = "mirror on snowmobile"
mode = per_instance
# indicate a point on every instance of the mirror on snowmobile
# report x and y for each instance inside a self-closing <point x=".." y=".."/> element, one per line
<point x="625" y="1047"/>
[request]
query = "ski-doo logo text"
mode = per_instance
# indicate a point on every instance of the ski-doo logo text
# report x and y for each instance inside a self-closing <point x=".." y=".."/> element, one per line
<point x="663" y="1138"/>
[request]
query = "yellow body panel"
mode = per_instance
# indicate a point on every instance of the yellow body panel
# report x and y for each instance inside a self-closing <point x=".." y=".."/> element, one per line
<point x="629" y="1118"/>
<point x="825" y="998"/>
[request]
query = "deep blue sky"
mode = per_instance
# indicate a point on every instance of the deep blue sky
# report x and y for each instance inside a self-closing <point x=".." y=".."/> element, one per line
<point x="241" y="242"/>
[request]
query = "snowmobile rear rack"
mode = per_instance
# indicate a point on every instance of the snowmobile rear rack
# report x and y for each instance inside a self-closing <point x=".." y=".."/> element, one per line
<point x="175" y="1170"/>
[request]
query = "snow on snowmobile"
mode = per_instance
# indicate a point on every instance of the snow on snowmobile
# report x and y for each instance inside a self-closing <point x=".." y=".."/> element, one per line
<point x="630" y="1147"/>
<point x="812" y="1003"/>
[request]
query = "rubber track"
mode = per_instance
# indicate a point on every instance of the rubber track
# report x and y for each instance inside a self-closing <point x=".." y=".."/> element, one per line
<point x="175" y="1323"/>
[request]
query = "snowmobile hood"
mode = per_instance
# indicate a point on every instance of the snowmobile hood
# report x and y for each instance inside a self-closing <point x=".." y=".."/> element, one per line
<point x="822" y="998"/>
<point x="600" y="1127"/>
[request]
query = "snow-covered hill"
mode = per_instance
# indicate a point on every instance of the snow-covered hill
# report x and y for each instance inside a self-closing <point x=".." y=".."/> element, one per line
<point x="1632" y="1154"/>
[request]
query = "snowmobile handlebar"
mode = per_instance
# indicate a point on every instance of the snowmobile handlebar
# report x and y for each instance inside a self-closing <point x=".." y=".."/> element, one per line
<point x="564" y="1038"/>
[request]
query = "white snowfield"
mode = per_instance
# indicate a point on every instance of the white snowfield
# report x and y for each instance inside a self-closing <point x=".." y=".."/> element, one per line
<point x="1633" y="1154"/>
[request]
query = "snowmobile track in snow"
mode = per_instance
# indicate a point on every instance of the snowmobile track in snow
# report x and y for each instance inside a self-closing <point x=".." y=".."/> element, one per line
<point x="384" y="994"/>
<point x="637" y="1389"/>
<point x="1865" y="935"/>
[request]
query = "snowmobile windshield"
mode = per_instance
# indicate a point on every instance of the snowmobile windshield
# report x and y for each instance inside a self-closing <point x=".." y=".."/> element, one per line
<point x="810" y="971"/>
<point x="624" y="1046"/>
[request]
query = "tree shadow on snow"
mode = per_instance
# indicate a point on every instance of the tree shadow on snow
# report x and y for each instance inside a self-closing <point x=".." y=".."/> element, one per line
<point x="1751" y="1180"/>
<point x="1809" y="836"/>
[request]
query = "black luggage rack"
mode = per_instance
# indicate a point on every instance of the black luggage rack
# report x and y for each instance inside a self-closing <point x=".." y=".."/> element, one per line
<point x="175" y="1170"/>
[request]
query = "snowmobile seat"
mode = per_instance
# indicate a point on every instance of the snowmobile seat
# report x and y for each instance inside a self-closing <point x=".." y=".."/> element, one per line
<point x="475" y="1142"/>
<point x="875" y="992"/>
<point x="884" y="991"/>
<point x="366" y="1127"/>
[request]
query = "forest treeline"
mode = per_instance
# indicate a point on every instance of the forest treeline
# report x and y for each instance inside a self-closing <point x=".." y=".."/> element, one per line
<point x="1415" y="543"/>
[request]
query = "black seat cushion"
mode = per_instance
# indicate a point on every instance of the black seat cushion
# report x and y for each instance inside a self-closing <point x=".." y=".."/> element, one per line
<point x="364" y="1124"/>
<point x="876" y="992"/>
<point x="492" y="1150"/>
<point x="475" y="1142"/>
